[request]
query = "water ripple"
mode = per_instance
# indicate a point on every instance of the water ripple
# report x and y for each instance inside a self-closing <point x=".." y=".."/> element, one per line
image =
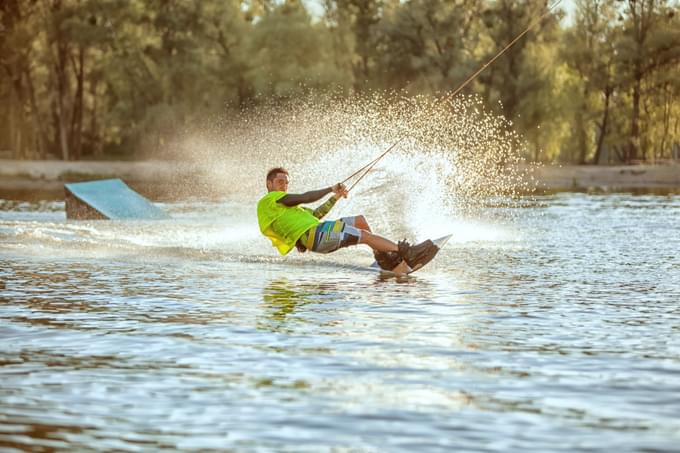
<point x="562" y="337"/>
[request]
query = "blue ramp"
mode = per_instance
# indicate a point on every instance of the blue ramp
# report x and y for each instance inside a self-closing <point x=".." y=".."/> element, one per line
<point x="108" y="199"/>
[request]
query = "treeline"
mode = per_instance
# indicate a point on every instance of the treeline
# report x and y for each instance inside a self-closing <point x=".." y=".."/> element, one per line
<point x="96" y="78"/>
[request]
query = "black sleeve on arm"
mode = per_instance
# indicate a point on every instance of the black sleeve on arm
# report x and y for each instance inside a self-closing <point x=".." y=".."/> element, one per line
<point x="293" y="199"/>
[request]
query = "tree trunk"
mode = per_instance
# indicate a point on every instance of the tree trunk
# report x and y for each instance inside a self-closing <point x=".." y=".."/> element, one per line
<point x="12" y="124"/>
<point x="667" y="106"/>
<point x="62" y="114"/>
<point x="18" y="142"/>
<point x="94" y="140"/>
<point x="59" y="63"/>
<point x="18" y="117"/>
<point x="39" y="127"/>
<point x="603" y="126"/>
<point x="635" y="121"/>
<point x="76" y="132"/>
<point x="582" y="133"/>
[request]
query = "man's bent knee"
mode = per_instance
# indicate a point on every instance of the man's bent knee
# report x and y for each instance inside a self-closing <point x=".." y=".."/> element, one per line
<point x="361" y="223"/>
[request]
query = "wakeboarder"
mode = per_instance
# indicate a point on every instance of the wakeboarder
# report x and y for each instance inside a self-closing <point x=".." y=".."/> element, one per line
<point x="287" y="225"/>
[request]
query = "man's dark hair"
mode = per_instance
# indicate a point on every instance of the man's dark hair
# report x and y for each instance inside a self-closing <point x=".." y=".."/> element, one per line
<point x="271" y="174"/>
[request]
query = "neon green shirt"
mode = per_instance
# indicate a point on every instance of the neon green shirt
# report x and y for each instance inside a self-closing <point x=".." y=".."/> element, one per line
<point x="283" y="225"/>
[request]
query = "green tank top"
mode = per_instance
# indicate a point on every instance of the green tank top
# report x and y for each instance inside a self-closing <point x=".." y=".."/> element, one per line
<point x="283" y="225"/>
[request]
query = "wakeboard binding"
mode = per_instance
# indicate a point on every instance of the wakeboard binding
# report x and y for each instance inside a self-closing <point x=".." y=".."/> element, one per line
<point x="416" y="256"/>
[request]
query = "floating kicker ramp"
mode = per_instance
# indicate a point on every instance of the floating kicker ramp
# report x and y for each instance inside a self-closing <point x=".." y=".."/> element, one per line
<point x="108" y="199"/>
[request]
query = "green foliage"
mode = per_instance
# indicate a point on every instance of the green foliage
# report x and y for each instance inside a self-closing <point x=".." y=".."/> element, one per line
<point x="283" y="70"/>
<point x="89" y="78"/>
<point x="590" y="53"/>
<point x="355" y="38"/>
<point x="625" y="55"/>
<point x="428" y="45"/>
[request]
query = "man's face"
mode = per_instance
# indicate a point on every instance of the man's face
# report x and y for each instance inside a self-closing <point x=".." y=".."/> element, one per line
<point x="279" y="183"/>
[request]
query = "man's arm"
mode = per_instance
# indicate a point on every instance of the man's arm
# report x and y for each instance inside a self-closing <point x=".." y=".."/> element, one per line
<point x="293" y="199"/>
<point x="325" y="208"/>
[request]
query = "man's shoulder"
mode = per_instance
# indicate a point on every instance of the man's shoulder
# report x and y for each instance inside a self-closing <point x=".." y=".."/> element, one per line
<point x="268" y="209"/>
<point x="270" y="198"/>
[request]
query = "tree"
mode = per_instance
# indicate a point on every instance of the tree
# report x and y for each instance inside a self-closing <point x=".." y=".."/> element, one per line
<point x="17" y="20"/>
<point x="649" y="44"/>
<point x="521" y="80"/>
<point x="285" y="71"/>
<point x="429" y="44"/>
<point x="589" y="50"/>
<point x="353" y="24"/>
<point x="226" y="31"/>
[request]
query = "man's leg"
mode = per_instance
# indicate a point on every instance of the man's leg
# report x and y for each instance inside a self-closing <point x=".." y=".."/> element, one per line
<point x="361" y="223"/>
<point x="377" y="243"/>
<point x="348" y="231"/>
<point x="389" y="255"/>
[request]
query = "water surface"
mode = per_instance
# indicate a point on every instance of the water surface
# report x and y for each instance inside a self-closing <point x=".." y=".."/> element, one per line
<point x="556" y="329"/>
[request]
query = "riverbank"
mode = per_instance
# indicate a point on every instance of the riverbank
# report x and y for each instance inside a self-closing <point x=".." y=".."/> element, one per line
<point x="45" y="179"/>
<point x="578" y="178"/>
<point x="21" y="179"/>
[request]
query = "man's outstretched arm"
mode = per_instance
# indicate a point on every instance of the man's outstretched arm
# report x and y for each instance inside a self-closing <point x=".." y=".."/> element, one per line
<point x="292" y="199"/>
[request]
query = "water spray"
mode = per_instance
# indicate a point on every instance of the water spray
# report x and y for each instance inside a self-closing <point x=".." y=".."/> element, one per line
<point x="369" y="166"/>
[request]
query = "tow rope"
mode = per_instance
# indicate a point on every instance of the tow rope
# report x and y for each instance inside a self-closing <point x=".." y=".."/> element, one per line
<point x="369" y="166"/>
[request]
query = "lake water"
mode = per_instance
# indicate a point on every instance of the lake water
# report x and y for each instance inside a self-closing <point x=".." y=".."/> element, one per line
<point x="553" y="327"/>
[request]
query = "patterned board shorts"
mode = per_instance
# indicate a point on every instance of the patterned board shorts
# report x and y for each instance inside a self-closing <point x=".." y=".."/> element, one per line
<point x="331" y="235"/>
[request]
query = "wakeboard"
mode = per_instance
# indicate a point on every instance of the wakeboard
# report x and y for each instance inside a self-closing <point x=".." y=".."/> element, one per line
<point x="403" y="268"/>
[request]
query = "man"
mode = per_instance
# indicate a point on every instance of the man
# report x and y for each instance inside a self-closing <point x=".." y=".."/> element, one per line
<point x="289" y="225"/>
